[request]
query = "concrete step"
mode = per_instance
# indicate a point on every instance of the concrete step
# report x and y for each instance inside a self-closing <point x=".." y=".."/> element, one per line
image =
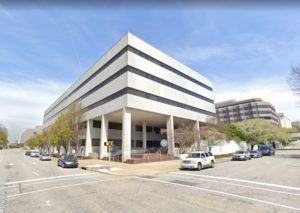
<point x="149" y="159"/>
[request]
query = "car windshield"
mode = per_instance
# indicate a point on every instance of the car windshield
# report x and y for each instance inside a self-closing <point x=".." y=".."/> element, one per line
<point x="194" y="155"/>
<point x="240" y="152"/>
<point x="253" y="151"/>
<point x="46" y="155"/>
<point x="69" y="158"/>
<point x="264" y="147"/>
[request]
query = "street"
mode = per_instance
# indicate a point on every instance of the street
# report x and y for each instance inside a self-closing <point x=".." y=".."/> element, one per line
<point x="269" y="184"/>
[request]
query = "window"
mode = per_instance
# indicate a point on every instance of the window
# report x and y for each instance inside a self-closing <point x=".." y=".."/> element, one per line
<point x="149" y="128"/>
<point x="139" y="143"/>
<point x="202" y="155"/>
<point x="82" y="142"/>
<point x="156" y="130"/>
<point x="138" y="128"/>
<point x="95" y="142"/>
<point x="96" y="124"/>
<point x="206" y="154"/>
<point x="117" y="126"/>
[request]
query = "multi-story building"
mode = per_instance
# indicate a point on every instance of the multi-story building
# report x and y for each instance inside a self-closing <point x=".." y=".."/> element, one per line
<point x="132" y="93"/>
<point x="284" y="121"/>
<point x="234" y="111"/>
<point x="30" y="132"/>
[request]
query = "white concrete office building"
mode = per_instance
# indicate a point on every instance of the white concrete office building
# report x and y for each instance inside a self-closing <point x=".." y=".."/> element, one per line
<point x="284" y="121"/>
<point x="132" y="93"/>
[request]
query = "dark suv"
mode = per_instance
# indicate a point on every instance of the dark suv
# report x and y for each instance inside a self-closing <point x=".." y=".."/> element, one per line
<point x="267" y="150"/>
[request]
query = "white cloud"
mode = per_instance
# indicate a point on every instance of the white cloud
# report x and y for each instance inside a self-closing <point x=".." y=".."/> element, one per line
<point x="273" y="89"/>
<point x="23" y="103"/>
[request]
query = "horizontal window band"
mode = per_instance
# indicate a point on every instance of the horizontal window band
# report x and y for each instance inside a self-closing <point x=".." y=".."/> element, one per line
<point x="140" y="73"/>
<point x="155" y="61"/>
<point x="109" y="62"/>
<point x="99" y="86"/>
<point x="167" y="83"/>
<point x="137" y="52"/>
<point x="149" y="96"/>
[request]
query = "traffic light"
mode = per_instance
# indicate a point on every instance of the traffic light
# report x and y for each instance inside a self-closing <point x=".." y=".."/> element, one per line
<point x="109" y="144"/>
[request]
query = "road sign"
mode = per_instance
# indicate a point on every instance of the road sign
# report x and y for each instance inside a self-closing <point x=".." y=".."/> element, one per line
<point x="164" y="143"/>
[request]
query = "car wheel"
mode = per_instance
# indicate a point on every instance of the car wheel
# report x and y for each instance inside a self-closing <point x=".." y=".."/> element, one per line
<point x="199" y="166"/>
<point x="63" y="165"/>
<point x="212" y="164"/>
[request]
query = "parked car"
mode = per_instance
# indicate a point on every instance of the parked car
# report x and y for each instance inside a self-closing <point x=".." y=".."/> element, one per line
<point x="267" y="150"/>
<point x="255" y="154"/>
<point x="34" y="154"/>
<point x="27" y="153"/>
<point x="45" y="157"/>
<point x="198" y="160"/>
<point x="241" y="155"/>
<point x="67" y="161"/>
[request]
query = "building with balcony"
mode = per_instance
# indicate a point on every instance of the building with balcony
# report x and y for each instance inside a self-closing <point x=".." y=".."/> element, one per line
<point x="232" y="111"/>
<point x="133" y="93"/>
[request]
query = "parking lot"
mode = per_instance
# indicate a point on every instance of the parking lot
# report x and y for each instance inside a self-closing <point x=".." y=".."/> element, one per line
<point x="268" y="184"/>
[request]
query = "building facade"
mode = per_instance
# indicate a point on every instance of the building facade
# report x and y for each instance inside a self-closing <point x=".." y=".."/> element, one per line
<point x="235" y="111"/>
<point x="131" y="94"/>
<point x="284" y="121"/>
<point x="30" y="132"/>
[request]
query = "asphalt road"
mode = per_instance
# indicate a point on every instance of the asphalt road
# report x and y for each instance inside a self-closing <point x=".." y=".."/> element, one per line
<point x="270" y="184"/>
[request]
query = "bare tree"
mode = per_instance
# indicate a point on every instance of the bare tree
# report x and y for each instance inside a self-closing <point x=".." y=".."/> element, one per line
<point x="185" y="137"/>
<point x="294" y="80"/>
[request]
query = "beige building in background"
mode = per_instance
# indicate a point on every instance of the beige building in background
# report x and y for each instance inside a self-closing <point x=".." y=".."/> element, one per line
<point x="30" y="132"/>
<point x="232" y="111"/>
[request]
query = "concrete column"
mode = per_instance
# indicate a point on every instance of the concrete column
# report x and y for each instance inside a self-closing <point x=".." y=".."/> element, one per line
<point x="144" y="135"/>
<point x="88" y="138"/>
<point x="197" y="135"/>
<point x="126" y="135"/>
<point x="170" y="135"/>
<point x="104" y="136"/>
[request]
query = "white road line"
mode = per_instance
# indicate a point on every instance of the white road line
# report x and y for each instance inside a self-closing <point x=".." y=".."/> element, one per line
<point x="34" y="163"/>
<point x="66" y="186"/>
<point x="242" y="181"/>
<point x="234" y="184"/>
<point x="11" y="164"/>
<point x="36" y="174"/>
<point x="222" y="193"/>
<point x="43" y="181"/>
<point x="48" y="178"/>
<point x="48" y="202"/>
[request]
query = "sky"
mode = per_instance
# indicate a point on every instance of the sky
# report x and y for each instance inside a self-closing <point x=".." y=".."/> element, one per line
<point x="245" y="51"/>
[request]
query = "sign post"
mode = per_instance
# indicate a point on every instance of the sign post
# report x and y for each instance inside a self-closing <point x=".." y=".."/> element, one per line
<point x="109" y="145"/>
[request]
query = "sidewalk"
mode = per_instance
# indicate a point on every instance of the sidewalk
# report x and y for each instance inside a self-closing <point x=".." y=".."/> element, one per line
<point x="142" y="169"/>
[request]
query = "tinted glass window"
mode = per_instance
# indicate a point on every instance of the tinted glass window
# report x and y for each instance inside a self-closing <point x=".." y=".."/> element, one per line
<point x="96" y="124"/>
<point x="115" y="126"/>
<point x="139" y="128"/>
